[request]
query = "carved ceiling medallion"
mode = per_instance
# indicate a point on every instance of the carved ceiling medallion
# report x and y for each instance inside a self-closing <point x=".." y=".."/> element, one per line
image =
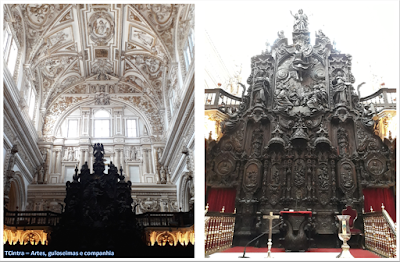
<point x="161" y="14"/>
<point x="38" y="14"/>
<point x="101" y="28"/>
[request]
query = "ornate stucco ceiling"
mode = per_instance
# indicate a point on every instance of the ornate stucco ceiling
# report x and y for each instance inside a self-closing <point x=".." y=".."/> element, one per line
<point x="69" y="49"/>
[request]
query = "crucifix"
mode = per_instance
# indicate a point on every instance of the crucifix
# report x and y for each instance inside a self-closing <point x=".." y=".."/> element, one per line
<point x="270" y="217"/>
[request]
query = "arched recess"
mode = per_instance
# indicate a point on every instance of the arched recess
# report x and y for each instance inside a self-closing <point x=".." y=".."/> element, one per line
<point x="90" y="100"/>
<point x="17" y="194"/>
<point x="186" y="191"/>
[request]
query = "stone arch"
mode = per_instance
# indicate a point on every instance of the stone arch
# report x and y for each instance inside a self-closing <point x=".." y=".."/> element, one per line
<point x="17" y="194"/>
<point x="185" y="191"/>
<point x="32" y="236"/>
<point x="76" y="106"/>
<point x="165" y="237"/>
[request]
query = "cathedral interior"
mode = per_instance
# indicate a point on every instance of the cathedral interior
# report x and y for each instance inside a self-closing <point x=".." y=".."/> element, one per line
<point x="77" y="76"/>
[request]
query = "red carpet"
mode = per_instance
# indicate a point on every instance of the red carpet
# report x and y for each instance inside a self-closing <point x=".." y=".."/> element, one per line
<point x="357" y="253"/>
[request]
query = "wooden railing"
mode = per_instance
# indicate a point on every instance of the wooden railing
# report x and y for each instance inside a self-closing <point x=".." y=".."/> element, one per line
<point x="380" y="233"/>
<point x="165" y="219"/>
<point x="219" y="228"/>
<point x="383" y="99"/>
<point x="220" y="99"/>
<point x="30" y="218"/>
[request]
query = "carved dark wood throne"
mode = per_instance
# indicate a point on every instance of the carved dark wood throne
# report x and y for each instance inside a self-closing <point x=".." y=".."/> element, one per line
<point x="300" y="139"/>
<point x="98" y="213"/>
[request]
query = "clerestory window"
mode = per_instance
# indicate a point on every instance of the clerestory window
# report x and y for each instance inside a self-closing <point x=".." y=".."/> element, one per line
<point x="10" y="50"/>
<point x="102" y="123"/>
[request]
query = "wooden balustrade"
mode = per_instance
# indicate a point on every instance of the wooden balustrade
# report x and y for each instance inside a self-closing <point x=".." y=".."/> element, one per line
<point x="219" y="228"/>
<point x="380" y="233"/>
<point x="31" y="218"/>
<point x="165" y="219"/>
<point x="218" y="98"/>
<point x="383" y="99"/>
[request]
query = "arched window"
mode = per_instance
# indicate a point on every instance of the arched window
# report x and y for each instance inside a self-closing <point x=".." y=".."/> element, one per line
<point x="10" y="50"/>
<point x="30" y="100"/>
<point x="102" y="124"/>
<point x="131" y="128"/>
<point x="188" y="49"/>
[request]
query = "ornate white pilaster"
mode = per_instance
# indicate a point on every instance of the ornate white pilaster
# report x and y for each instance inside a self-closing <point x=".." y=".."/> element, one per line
<point x="58" y="161"/>
<point x="86" y="156"/>
<point x="53" y="161"/>
<point x="121" y="158"/>
<point x="81" y="157"/>
<point x="85" y="121"/>
<point x="118" y="121"/>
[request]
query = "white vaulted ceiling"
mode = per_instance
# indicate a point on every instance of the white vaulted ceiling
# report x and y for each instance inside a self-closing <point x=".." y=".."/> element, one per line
<point x="70" y="48"/>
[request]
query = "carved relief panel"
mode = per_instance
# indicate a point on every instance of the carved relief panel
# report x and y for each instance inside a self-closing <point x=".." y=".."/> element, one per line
<point x="251" y="177"/>
<point x="347" y="177"/>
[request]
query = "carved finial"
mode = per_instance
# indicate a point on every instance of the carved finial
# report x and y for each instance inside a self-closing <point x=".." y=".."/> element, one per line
<point x="267" y="45"/>
<point x="371" y="209"/>
<point x="223" y="209"/>
<point x="234" y="211"/>
<point x="383" y="207"/>
<point x="207" y="207"/>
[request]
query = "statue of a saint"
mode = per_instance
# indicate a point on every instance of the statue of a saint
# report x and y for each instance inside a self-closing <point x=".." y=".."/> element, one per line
<point x="134" y="153"/>
<point x="163" y="175"/>
<point x="340" y="89"/>
<point x="159" y="153"/>
<point x="41" y="172"/>
<point x="301" y="22"/>
<point x="261" y="86"/>
<point x="301" y="60"/>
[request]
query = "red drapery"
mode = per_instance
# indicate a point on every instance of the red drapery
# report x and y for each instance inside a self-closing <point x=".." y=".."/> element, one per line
<point x="376" y="196"/>
<point x="219" y="197"/>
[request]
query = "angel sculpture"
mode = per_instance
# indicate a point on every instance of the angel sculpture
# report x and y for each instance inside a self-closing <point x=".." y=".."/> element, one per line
<point x="98" y="151"/>
<point x="301" y="23"/>
<point x="102" y="68"/>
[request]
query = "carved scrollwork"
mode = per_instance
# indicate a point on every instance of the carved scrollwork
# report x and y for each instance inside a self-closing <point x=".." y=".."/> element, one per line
<point x="149" y="205"/>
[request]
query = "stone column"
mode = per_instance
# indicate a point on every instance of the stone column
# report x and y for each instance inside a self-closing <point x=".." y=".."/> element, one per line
<point x="86" y="155"/>
<point x="81" y="158"/>
<point x="126" y="173"/>
<point x="117" y="158"/>
<point x="58" y="161"/>
<point x="53" y="161"/>
<point x="151" y="152"/>
<point x="121" y="158"/>
<point x="90" y="162"/>
<point x="146" y="161"/>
